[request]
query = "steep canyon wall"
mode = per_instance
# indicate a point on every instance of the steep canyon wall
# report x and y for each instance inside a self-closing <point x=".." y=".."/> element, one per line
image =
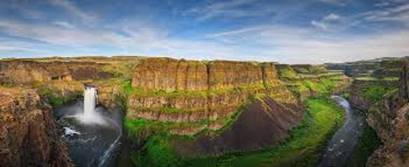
<point x="28" y="134"/>
<point x="390" y="119"/>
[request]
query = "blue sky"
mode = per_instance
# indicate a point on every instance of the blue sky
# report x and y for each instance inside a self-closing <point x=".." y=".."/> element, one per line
<point x="287" y="31"/>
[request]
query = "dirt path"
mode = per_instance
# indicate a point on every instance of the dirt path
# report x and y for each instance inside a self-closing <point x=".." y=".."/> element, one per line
<point x="345" y="139"/>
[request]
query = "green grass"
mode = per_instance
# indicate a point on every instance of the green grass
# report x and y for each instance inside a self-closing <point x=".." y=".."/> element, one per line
<point x="288" y="73"/>
<point x="140" y="92"/>
<point x="53" y="98"/>
<point x="368" y="142"/>
<point x="323" y="86"/>
<point x="368" y="78"/>
<point x="138" y="127"/>
<point x="376" y="92"/>
<point x="157" y="152"/>
<point x="303" y="148"/>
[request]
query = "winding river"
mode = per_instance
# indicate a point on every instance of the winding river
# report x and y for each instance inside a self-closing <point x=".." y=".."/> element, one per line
<point x="342" y="144"/>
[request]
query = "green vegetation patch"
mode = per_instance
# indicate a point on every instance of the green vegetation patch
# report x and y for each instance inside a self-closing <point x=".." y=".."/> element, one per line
<point x="368" y="142"/>
<point x="54" y="98"/>
<point x="324" y="86"/>
<point x="303" y="148"/>
<point x="157" y="152"/>
<point x="375" y="92"/>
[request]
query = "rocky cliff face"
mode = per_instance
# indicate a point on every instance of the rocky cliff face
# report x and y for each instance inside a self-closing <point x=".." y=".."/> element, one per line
<point x="378" y="68"/>
<point x="170" y="74"/>
<point x="238" y="106"/>
<point x="390" y="119"/>
<point x="28" y="134"/>
<point x="27" y="72"/>
<point x="363" y="93"/>
<point x="192" y="91"/>
<point x="261" y="124"/>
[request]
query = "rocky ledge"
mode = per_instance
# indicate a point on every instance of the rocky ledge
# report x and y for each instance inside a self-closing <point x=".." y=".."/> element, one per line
<point x="28" y="135"/>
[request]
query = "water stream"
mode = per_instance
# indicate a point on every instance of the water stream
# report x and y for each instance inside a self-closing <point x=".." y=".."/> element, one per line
<point x="342" y="144"/>
<point x="92" y="133"/>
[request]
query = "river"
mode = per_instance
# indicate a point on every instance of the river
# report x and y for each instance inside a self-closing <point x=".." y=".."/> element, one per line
<point x="342" y="144"/>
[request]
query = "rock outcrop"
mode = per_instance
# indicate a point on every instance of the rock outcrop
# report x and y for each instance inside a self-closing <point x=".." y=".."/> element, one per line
<point x="27" y="72"/>
<point x="359" y="91"/>
<point x="222" y="99"/>
<point x="390" y="119"/>
<point x="28" y="135"/>
<point x="190" y="91"/>
<point x="404" y="82"/>
<point x="263" y="123"/>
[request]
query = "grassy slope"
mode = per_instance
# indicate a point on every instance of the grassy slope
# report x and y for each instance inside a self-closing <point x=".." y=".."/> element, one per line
<point x="375" y="92"/>
<point x="302" y="148"/>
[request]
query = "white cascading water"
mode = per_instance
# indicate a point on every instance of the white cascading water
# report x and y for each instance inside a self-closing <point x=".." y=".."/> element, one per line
<point x="89" y="115"/>
<point x="90" y="99"/>
<point x="95" y="130"/>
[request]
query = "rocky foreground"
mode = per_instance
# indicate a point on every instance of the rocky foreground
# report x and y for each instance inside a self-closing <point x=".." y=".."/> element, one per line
<point x="28" y="134"/>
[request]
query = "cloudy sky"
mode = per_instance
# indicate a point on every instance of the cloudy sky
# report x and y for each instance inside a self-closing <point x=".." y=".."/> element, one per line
<point x="287" y="31"/>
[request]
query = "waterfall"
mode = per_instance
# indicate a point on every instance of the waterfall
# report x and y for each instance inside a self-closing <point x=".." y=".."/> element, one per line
<point x="90" y="100"/>
<point x="89" y="114"/>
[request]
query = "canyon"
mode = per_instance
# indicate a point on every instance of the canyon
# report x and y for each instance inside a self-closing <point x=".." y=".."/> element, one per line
<point x="178" y="111"/>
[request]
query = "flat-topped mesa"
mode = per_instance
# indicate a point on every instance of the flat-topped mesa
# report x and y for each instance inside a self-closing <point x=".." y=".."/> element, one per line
<point x="224" y="74"/>
<point x="190" y="91"/>
<point x="27" y="72"/>
<point x="170" y="74"/>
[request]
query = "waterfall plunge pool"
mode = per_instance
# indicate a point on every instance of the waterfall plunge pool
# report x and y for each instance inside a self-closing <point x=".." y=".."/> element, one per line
<point x="92" y="133"/>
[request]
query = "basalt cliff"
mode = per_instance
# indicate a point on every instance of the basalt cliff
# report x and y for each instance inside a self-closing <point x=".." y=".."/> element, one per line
<point x="28" y="134"/>
<point x="193" y="97"/>
<point x="217" y="103"/>
<point x="389" y="118"/>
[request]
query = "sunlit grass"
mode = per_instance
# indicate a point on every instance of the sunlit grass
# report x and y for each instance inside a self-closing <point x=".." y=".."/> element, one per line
<point x="302" y="148"/>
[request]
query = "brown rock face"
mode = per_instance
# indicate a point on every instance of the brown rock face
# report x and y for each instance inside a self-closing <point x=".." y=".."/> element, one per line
<point x="357" y="88"/>
<point x="224" y="74"/>
<point x="390" y="119"/>
<point x="404" y="82"/>
<point x="25" y="72"/>
<point x="203" y="91"/>
<point x="169" y="74"/>
<point x="28" y="134"/>
<point x="261" y="124"/>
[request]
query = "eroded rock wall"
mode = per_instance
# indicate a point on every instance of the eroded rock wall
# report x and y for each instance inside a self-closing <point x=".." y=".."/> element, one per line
<point x="190" y="91"/>
<point x="360" y="95"/>
<point x="263" y="123"/>
<point x="28" y="135"/>
<point x="28" y="72"/>
<point x="390" y="119"/>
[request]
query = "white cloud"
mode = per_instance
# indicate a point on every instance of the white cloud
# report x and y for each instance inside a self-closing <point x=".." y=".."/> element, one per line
<point x="332" y="17"/>
<point x="335" y="2"/>
<point x="230" y="9"/>
<point x="262" y="43"/>
<point x="382" y="4"/>
<point x="327" y="22"/>
<point x="296" y="45"/>
<point x="399" y="13"/>
<point x="64" y="24"/>
<point x="73" y="9"/>
<point x="319" y="24"/>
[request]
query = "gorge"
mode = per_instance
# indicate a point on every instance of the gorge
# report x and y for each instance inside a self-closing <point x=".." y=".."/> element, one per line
<point x="141" y="111"/>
